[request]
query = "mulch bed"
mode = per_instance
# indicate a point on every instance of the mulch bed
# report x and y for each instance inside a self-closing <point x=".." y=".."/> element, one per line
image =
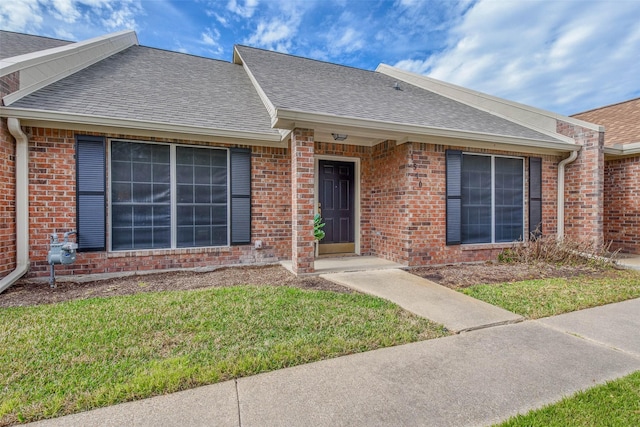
<point x="30" y="292"/>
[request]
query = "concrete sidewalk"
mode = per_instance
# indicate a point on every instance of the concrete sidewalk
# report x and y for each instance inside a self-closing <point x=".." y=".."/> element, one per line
<point x="471" y="379"/>
<point x="457" y="312"/>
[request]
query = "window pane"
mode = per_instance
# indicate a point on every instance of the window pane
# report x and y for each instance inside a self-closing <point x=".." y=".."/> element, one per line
<point x="140" y="196"/>
<point x="202" y="197"/>
<point x="509" y="199"/>
<point x="476" y="199"/>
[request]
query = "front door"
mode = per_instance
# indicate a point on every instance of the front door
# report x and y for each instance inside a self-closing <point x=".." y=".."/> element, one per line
<point x="336" y="196"/>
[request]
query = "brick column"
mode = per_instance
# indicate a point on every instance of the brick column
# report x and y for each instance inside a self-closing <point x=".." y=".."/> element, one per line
<point x="302" y="209"/>
<point x="584" y="185"/>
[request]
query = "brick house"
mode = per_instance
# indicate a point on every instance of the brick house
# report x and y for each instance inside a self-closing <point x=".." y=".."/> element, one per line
<point x="621" y="172"/>
<point x="165" y="160"/>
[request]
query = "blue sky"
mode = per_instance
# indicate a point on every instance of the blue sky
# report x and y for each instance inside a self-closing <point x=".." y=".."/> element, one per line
<point x="565" y="56"/>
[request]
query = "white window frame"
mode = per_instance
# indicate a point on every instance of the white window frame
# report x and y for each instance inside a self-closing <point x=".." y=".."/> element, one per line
<point x="493" y="193"/>
<point x="173" y="196"/>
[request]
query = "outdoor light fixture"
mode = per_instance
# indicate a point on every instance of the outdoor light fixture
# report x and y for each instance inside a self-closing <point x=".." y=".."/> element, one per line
<point x="339" y="136"/>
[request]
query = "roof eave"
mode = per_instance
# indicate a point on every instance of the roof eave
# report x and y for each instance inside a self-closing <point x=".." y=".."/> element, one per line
<point x="534" y="118"/>
<point x="623" y="150"/>
<point x="288" y="119"/>
<point x="32" y="117"/>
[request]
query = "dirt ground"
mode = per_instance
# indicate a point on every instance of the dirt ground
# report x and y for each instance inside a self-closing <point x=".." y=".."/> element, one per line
<point x="463" y="276"/>
<point x="29" y="292"/>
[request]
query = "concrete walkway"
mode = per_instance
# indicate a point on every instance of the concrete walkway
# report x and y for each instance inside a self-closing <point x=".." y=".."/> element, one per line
<point x="456" y="311"/>
<point x="630" y="261"/>
<point x="471" y="379"/>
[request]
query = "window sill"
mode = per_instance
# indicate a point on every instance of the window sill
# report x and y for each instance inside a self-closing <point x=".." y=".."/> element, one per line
<point x="489" y="246"/>
<point x="177" y="251"/>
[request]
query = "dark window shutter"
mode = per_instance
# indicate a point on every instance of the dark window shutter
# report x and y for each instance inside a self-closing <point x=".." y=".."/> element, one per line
<point x="90" y="193"/>
<point x="454" y="196"/>
<point x="535" y="196"/>
<point x="240" y="196"/>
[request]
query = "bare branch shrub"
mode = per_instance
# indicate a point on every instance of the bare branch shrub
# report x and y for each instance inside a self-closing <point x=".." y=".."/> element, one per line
<point x="566" y="252"/>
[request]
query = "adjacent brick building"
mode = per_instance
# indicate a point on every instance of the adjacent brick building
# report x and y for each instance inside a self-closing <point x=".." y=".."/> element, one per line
<point x="621" y="219"/>
<point x="163" y="160"/>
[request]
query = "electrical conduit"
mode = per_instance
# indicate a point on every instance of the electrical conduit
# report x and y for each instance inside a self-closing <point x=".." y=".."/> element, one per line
<point x="22" y="205"/>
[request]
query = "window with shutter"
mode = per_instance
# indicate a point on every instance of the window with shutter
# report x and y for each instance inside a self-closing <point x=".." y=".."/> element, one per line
<point x="177" y="196"/>
<point x="485" y="198"/>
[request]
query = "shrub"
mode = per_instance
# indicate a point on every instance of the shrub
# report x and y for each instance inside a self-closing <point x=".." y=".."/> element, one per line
<point x="550" y="250"/>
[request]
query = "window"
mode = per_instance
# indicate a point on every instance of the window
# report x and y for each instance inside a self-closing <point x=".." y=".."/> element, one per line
<point x="173" y="196"/>
<point x="201" y="178"/>
<point x="485" y="198"/>
<point x="140" y="196"/>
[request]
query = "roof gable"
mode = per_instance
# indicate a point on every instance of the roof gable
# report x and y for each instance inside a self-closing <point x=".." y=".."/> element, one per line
<point x="306" y="85"/>
<point x="154" y="86"/>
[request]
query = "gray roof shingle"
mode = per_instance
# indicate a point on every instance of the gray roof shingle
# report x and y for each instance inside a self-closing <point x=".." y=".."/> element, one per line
<point x="308" y="85"/>
<point x="14" y="44"/>
<point x="148" y="84"/>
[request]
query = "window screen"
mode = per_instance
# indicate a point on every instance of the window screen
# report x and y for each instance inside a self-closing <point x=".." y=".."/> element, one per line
<point x="476" y="199"/>
<point x="508" y="199"/>
<point x="201" y="178"/>
<point x="492" y="199"/>
<point x="140" y="196"/>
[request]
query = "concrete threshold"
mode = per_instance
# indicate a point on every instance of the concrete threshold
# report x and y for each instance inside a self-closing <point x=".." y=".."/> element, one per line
<point x="342" y="264"/>
<point x="456" y="311"/>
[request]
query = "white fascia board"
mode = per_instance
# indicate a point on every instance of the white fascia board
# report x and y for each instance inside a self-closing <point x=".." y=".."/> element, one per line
<point x="288" y="119"/>
<point x="40" y="117"/>
<point x="534" y="118"/>
<point x="619" y="150"/>
<point x="271" y="109"/>
<point x="40" y="69"/>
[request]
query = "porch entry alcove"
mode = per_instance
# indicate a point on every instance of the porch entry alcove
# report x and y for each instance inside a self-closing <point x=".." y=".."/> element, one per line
<point x="336" y="205"/>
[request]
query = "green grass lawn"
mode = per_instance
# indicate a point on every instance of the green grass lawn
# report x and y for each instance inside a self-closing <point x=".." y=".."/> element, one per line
<point x="547" y="297"/>
<point x="73" y="356"/>
<point x="616" y="403"/>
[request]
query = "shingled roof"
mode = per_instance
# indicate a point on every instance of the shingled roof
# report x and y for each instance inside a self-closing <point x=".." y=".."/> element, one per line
<point x="621" y="121"/>
<point x="301" y="84"/>
<point x="152" y="85"/>
<point x="14" y="44"/>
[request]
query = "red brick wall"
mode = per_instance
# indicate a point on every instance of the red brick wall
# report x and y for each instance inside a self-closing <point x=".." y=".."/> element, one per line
<point x="302" y="200"/>
<point x="408" y="194"/>
<point x="7" y="200"/>
<point x="9" y="84"/>
<point x="390" y="208"/>
<point x="52" y="209"/>
<point x="622" y="204"/>
<point x="584" y="185"/>
<point x="402" y="196"/>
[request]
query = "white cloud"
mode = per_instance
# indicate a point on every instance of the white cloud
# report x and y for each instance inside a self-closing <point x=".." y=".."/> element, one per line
<point x="275" y="34"/>
<point x="64" y="18"/>
<point x="211" y="37"/>
<point x="345" y="41"/>
<point x="24" y="15"/>
<point x="65" y="10"/>
<point x="245" y="9"/>
<point x="563" y="56"/>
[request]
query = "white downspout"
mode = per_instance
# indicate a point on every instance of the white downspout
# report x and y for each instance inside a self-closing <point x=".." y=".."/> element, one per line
<point x="22" y="204"/>
<point x="561" y="166"/>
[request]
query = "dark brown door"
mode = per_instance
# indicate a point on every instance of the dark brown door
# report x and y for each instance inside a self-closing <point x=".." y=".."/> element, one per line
<point x="336" y="203"/>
